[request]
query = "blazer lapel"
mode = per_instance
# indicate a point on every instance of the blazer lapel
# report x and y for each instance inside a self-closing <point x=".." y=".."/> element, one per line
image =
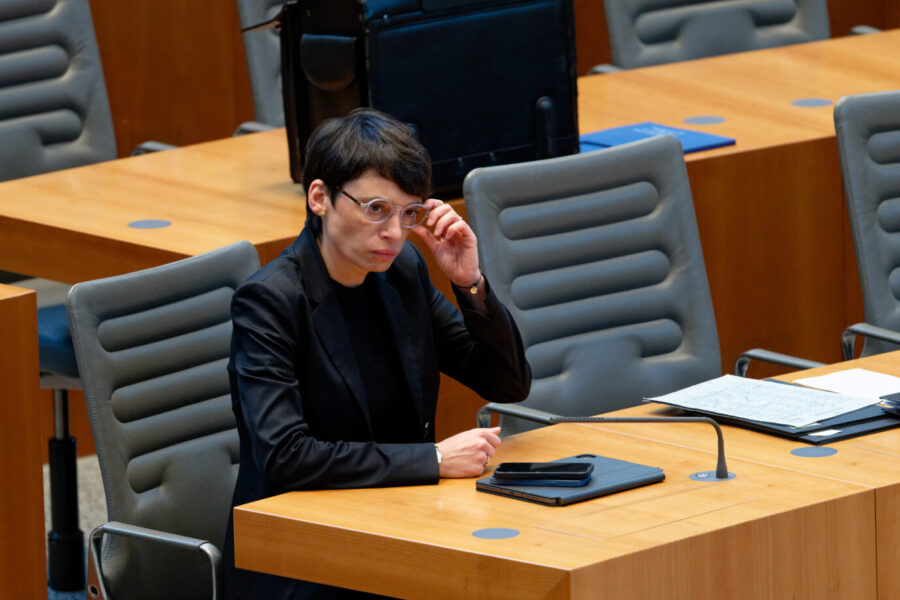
<point x="329" y="321"/>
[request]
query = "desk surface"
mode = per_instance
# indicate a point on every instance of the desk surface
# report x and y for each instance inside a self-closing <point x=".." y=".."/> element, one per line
<point x="767" y="533"/>
<point x="73" y="225"/>
<point x="871" y="461"/>
<point x="753" y="91"/>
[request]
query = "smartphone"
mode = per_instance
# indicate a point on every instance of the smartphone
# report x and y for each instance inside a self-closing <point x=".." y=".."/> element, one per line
<point x="546" y="471"/>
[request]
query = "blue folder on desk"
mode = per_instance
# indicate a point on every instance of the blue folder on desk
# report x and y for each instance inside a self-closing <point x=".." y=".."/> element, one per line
<point x="691" y="140"/>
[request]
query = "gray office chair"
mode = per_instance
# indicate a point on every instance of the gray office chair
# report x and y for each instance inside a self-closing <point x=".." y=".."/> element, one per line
<point x="263" y="50"/>
<point x="652" y="32"/>
<point x="868" y="137"/>
<point x="53" y="108"/>
<point x="152" y="348"/>
<point x="598" y="258"/>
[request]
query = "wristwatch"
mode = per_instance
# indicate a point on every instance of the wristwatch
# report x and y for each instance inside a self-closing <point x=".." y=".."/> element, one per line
<point x="472" y="289"/>
<point x="437" y="452"/>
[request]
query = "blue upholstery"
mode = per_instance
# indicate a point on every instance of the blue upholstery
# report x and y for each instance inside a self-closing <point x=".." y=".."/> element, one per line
<point x="55" y="349"/>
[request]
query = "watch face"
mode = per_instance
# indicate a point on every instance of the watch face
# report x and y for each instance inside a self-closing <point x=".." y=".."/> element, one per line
<point x="437" y="452"/>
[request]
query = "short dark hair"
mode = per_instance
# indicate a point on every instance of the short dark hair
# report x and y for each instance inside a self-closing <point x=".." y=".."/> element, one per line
<point x="342" y="149"/>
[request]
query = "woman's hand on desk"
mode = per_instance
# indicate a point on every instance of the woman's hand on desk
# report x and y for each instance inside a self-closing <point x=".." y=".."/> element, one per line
<point x="466" y="454"/>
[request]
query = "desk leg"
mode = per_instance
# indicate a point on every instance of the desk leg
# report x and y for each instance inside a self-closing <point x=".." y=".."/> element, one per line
<point x="23" y="562"/>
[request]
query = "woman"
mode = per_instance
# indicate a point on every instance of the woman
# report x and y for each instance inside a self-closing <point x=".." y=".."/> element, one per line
<point x="339" y="342"/>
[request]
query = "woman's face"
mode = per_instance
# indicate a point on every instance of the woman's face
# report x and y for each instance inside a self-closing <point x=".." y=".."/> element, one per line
<point x="352" y="246"/>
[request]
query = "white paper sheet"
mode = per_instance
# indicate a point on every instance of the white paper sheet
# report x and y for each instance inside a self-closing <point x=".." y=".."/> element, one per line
<point x="766" y="401"/>
<point x="855" y="382"/>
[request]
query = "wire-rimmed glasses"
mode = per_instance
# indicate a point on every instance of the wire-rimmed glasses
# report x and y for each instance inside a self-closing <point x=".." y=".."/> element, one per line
<point x="379" y="210"/>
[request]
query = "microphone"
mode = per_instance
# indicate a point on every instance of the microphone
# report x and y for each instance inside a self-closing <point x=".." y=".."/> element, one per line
<point x="531" y="414"/>
<point x="721" y="471"/>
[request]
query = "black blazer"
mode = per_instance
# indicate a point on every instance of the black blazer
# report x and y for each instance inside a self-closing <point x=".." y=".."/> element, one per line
<point x="298" y="396"/>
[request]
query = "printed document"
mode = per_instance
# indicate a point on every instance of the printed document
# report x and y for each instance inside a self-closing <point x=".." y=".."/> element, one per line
<point x="856" y="382"/>
<point x="767" y="401"/>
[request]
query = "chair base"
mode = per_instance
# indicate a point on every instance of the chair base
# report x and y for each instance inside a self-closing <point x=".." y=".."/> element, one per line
<point x="65" y="552"/>
<point x="65" y="542"/>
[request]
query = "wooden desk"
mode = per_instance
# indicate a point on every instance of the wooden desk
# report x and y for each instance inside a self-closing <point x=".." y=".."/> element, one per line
<point x="72" y="225"/>
<point x="872" y="461"/>
<point x="769" y="533"/>
<point x="23" y="567"/>
<point x="770" y="209"/>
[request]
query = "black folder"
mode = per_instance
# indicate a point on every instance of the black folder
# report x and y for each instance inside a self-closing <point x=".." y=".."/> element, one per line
<point x="610" y="475"/>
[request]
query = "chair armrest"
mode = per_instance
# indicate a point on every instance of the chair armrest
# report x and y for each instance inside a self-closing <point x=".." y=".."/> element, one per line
<point x="604" y="68"/>
<point x="252" y="127"/>
<point x="743" y="361"/>
<point x="483" y="417"/>
<point x="848" y="338"/>
<point x="96" y="584"/>
<point x="151" y="146"/>
<point x="863" y="30"/>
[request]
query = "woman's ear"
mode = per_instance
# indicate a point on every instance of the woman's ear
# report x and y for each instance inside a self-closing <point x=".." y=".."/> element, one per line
<point x="317" y="197"/>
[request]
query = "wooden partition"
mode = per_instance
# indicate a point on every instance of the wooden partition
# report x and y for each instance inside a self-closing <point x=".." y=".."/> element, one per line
<point x="22" y="555"/>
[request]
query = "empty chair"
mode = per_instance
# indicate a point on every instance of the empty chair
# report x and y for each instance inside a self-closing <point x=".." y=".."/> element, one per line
<point x="263" y="50"/>
<point x="53" y="108"/>
<point x="152" y="349"/>
<point x="598" y="258"/>
<point x="652" y="32"/>
<point x="868" y="136"/>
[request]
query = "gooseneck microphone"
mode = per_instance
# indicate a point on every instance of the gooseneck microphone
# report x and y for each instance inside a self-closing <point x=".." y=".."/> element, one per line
<point x="721" y="468"/>
<point x="539" y="416"/>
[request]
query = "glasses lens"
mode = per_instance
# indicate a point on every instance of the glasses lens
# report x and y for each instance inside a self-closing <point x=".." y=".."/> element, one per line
<point x="379" y="210"/>
<point x="413" y="215"/>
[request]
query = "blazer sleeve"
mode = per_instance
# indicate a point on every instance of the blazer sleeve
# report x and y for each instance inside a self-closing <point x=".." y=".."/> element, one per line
<point x="485" y="351"/>
<point x="267" y="330"/>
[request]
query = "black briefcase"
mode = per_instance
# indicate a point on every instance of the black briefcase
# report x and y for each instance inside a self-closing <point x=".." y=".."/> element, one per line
<point x="482" y="82"/>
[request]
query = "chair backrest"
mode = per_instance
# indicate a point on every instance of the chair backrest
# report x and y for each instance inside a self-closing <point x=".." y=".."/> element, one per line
<point x="263" y="50"/>
<point x="598" y="258"/>
<point x="152" y="349"/>
<point x="868" y="136"/>
<point x="54" y="113"/>
<point x="652" y="32"/>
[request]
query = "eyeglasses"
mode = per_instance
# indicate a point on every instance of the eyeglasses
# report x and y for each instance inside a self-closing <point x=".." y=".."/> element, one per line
<point x="379" y="210"/>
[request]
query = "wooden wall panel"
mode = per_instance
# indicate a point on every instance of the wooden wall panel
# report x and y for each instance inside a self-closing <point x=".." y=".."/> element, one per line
<point x="891" y="14"/>
<point x="175" y="70"/>
<point x="591" y="39"/>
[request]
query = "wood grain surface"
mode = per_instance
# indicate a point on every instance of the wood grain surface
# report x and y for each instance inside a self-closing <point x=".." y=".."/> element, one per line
<point x="768" y="533"/>
<point x="23" y="561"/>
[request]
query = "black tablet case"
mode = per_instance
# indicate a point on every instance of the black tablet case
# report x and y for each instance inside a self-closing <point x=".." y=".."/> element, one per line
<point x="610" y="475"/>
